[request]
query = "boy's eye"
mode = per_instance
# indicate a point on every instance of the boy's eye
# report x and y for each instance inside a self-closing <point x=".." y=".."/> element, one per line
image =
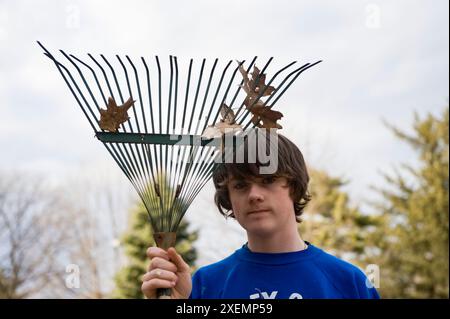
<point x="268" y="180"/>
<point x="240" y="185"/>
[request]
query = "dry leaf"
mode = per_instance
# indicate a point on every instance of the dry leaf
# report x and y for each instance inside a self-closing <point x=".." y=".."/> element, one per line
<point x="225" y="125"/>
<point x="114" y="116"/>
<point x="254" y="104"/>
<point x="267" y="116"/>
<point x="227" y="114"/>
<point x="258" y="86"/>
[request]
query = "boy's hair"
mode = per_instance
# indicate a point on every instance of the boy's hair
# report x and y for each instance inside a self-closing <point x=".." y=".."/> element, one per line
<point x="291" y="165"/>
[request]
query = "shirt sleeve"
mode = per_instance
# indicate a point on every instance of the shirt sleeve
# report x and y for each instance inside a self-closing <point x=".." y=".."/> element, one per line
<point x="365" y="288"/>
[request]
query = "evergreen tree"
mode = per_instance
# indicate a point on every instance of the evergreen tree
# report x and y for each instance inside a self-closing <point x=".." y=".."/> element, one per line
<point x="332" y="223"/>
<point x="413" y="243"/>
<point x="136" y="242"/>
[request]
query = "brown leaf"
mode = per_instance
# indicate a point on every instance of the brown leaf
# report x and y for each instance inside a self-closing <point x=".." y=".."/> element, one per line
<point x="114" y="116"/>
<point x="227" y="114"/>
<point x="267" y="116"/>
<point x="254" y="104"/>
<point x="255" y="85"/>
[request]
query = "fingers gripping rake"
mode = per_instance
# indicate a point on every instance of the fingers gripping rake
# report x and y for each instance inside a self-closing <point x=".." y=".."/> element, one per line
<point x="154" y="123"/>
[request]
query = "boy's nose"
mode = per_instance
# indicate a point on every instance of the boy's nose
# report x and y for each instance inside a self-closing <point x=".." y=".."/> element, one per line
<point x="255" y="193"/>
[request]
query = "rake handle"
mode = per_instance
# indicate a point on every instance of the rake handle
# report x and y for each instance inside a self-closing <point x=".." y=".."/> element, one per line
<point x="164" y="240"/>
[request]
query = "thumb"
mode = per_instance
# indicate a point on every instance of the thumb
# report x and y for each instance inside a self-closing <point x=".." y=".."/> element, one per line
<point x="178" y="260"/>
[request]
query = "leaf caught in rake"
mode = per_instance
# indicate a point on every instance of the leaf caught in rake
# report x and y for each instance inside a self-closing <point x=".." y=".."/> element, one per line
<point x="159" y="137"/>
<point x="113" y="116"/>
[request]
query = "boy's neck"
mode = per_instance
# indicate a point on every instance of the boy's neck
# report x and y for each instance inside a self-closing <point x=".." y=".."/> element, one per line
<point x="277" y="243"/>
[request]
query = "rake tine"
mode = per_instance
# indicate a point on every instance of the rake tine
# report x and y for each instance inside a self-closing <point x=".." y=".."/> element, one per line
<point x="217" y="92"/>
<point x="262" y="91"/>
<point x="292" y="81"/>
<point x="206" y="95"/>
<point x="225" y="95"/>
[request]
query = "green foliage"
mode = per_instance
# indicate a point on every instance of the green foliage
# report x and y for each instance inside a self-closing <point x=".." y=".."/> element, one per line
<point x="136" y="241"/>
<point x="413" y="241"/>
<point x="332" y="223"/>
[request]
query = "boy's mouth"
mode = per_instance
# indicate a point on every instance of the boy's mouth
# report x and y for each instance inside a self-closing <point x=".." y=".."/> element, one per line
<point x="256" y="211"/>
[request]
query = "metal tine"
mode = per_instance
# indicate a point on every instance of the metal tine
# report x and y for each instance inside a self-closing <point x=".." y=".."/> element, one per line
<point x="140" y="101"/>
<point x="149" y="93"/>
<point x="240" y="85"/>
<point x="180" y="168"/>
<point x="138" y="86"/>
<point x="225" y="95"/>
<point x="206" y="96"/>
<point x="176" y="95"/>
<point x="84" y="97"/>
<point x="142" y="183"/>
<point x="99" y="86"/>
<point x="151" y="113"/>
<point x="279" y="88"/>
<point x="242" y="81"/>
<point x="170" y="191"/>
<point x="104" y="75"/>
<point x="196" y="94"/>
<point x="160" y="177"/>
<point x="198" y="168"/>
<point x="192" y="180"/>
<point x="292" y="81"/>
<point x="207" y="172"/>
<point x="215" y="95"/>
<point x="247" y="113"/>
<point x="298" y="71"/>
<point x="175" y="149"/>
<point x="129" y="124"/>
<point x="204" y="100"/>
<point x="141" y="167"/>
<point x="169" y="104"/>
<point x="60" y="66"/>
<point x="95" y="77"/>
<point x="84" y="81"/>
<point x="166" y="190"/>
<point x="136" y="117"/>
<point x="123" y="127"/>
<point x="115" y="81"/>
<point x="147" y="147"/>
<point x="146" y="155"/>
<point x="194" y="107"/>
<point x="200" y="174"/>
<point x="186" y="96"/>
<point x="196" y="158"/>
<point x="129" y="92"/>
<point x="85" y="84"/>
<point x="214" y="98"/>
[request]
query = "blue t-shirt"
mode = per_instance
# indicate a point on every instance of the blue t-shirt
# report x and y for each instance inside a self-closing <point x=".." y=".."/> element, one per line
<point x="310" y="273"/>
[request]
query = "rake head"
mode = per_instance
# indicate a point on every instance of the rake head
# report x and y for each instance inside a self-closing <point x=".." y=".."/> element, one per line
<point x="163" y="122"/>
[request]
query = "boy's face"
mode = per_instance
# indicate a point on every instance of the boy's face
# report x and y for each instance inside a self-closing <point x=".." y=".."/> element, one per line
<point x="262" y="206"/>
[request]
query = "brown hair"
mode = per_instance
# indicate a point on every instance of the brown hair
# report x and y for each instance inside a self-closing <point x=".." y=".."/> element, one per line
<point x="291" y="165"/>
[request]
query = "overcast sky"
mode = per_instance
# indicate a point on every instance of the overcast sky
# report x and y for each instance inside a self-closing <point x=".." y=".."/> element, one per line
<point x="382" y="60"/>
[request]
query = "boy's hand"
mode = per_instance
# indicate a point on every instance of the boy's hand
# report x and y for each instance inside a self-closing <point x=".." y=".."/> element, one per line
<point x="167" y="270"/>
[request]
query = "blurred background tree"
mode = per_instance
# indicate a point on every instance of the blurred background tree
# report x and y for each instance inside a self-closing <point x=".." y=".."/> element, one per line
<point x="413" y="240"/>
<point x="32" y="236"/>
<point x="332" y="223"/>
<point x="137" y="240"/>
